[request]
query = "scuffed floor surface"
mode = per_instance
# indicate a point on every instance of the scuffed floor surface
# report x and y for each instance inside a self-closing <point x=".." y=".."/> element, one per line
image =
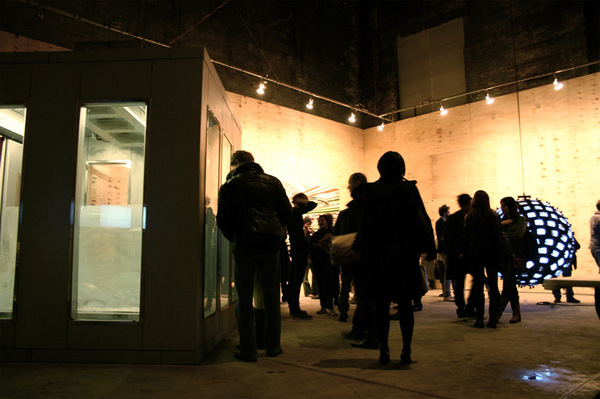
<point x="552" y="353"/>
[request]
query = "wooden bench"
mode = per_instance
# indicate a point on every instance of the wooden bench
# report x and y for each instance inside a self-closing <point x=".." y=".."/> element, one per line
<point x="564" y="282"/>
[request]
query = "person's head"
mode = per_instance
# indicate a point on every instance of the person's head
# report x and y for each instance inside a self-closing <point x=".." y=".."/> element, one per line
<point x="598" y="205"/>
<point x="444" y="210"/>
<point x="480" y="202"/>
<point x="325" y="221"/>
<point x="299" y="199"/>
<point x="355" y="180"/>
<point x="391" y="166"/>
<point x="239" y="157"/>
<point x="307" y="220"/>
<point x="509" y="207"/>
<point x="464" y="201"/>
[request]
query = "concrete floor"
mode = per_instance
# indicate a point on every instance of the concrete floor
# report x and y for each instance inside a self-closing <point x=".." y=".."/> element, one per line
<point x="553" y="353"/>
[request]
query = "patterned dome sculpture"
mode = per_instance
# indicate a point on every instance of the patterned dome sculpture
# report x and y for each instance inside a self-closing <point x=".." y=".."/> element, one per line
<point x="554" y="236"/>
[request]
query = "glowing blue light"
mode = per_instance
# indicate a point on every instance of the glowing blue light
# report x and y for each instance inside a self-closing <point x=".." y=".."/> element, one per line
<point x="529" y="264"/>
<point x="554" y="238"/>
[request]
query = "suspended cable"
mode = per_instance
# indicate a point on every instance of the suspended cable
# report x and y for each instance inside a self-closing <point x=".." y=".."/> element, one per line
<point x="198" y="23"/>
<point x="256" y="42"/>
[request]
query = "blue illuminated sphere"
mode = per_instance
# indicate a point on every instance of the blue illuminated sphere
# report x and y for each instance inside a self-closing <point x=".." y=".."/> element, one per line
<point x="554" y="236"/>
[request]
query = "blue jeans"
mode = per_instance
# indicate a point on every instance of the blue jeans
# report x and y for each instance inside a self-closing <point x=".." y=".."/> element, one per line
<point x="246" y="267"/>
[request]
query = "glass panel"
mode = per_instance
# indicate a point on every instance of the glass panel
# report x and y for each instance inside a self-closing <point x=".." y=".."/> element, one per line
<point x="225" y="247"/>
<point x="213" y="133"/>
<point x="108" y="224"/>
<point x="12" y="130"/>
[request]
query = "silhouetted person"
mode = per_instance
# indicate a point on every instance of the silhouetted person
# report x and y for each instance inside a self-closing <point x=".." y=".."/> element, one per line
<point x="253" y="211"/>
<point x="595" y="235"/>
<point x="483" y="255"/>
<point x="298" y="253"/>
<point x="394" y="231"/>
<point x="455" y="245"/>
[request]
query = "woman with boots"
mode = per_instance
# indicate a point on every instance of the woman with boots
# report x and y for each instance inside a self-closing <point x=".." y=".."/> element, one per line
<point x="483" y="255"/>
<point x="393" y="232"/>
<point x="514" y="225"/>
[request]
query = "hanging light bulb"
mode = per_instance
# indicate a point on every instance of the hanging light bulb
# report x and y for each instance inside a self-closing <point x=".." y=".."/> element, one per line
<point x="557" y="85"/>
<point x="380" y="127"/>
<point x="261" y="88"/>
<point x="489" y="100"/>
<point x="352" y="117"/>
<point x="443" y="111"/>
<point x="309" y="104"/>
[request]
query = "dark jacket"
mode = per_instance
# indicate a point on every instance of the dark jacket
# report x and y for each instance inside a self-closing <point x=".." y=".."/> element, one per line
<point x="454" y="235"/>
<point x="440" y="226"/>
<point x="298" y="242"/>
<point x="348" y="220"/>
<point x="395" y="219"/>
<point x="481" y="236"/>
<point x="252" y="198"/>
<point x="393" y="232"/>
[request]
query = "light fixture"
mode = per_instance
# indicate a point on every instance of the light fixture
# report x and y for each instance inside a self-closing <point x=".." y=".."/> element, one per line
<point x="380" y="127"/>
<point x="489" y="100"/>
<point x="261" y="88"/>
<point x="554" y="237"/>
<point x="557" y="85"/>
<point x="352" y="117"/>
<point x="443" y="111"/>
<point x="309" y="104"/>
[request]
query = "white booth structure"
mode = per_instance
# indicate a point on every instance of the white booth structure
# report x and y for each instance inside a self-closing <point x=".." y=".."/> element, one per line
<point x="111" y="162"/>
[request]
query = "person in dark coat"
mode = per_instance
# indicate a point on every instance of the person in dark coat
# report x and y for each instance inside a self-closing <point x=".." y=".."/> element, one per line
<point x="514" y="225"/>
<point x="299" y="250"/>
<point x="394" y="231"/>
<point x="327" y="275"/>
<point x="253" y="211"/>
<point x="457" y="268"/>
<point x="346" y="223"/>
<point x="482" y="226"/>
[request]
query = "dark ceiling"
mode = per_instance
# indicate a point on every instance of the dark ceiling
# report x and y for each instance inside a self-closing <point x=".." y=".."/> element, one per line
<point x="344" y="50"/>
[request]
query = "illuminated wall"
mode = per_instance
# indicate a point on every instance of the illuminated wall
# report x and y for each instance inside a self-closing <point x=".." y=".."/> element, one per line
<point x="476" y="146"/>
<point x="301" y="149"/>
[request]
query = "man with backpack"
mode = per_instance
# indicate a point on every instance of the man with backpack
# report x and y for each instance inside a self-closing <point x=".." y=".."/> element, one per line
<point x="253" y="211"/>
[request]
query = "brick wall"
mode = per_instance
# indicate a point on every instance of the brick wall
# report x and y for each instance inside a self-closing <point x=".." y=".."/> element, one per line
<point x="476" y="146"/>
<point x="301" y="149"/>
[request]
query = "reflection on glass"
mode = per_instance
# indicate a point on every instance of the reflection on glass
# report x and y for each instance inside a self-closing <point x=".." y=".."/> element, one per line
<point x="12" y="130"/>
<point x="211" y="197"/>
<point x="225" y="247"/>
<point x="108" y="224"/>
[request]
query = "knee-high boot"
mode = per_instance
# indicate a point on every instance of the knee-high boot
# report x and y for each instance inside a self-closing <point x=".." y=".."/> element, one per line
<point x="516" y="310"/>
<point x="502" y="306"/>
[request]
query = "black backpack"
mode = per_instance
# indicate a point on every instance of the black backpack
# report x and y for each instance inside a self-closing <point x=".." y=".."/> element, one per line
<point x="530" y="246"/>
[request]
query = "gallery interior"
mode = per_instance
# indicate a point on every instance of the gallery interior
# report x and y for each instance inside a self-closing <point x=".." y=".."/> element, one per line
<point x="117" y="123"/>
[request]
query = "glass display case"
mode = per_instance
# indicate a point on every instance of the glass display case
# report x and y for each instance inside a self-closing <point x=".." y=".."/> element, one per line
<point x="109" y="213"/>
<point x="12" y="132"/>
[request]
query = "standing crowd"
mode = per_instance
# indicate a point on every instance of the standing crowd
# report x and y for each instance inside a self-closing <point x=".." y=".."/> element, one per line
<point x="386" y="238"/>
